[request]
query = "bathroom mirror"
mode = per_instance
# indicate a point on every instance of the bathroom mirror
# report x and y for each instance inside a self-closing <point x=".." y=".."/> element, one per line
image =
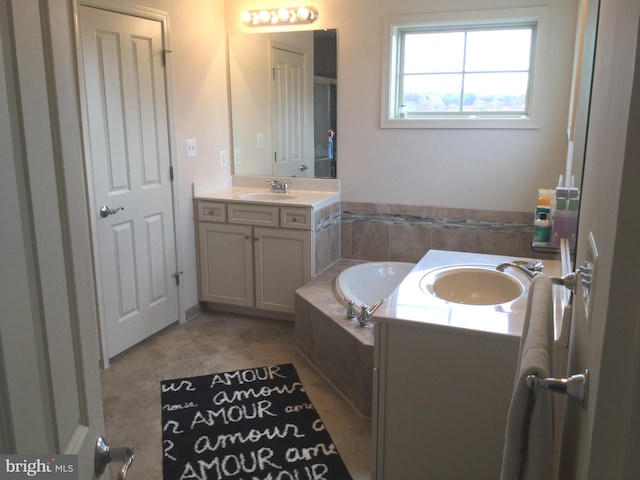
<point x="586" y="34"/>
<point x="296" y="73"/>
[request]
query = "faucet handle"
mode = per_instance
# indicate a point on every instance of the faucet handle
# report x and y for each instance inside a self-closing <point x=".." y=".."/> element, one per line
<point x="351" y="309"/>
<point x="365" y="315"/>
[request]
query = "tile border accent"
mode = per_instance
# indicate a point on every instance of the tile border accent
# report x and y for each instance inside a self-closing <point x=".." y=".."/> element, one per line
<point x="458" y="219"/>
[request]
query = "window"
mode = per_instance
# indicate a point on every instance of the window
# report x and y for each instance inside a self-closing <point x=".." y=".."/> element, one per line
<point x="473" y="72"/>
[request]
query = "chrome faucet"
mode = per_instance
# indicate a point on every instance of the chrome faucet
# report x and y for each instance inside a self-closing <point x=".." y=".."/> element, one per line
<point x="366" y="312"/>
<point x="528" y="268"/>
<point x="351" y="310"/>
<point x="278" y="185"/>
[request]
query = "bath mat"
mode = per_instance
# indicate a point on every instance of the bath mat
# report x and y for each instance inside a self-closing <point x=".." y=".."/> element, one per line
<point x="253" y="424"/>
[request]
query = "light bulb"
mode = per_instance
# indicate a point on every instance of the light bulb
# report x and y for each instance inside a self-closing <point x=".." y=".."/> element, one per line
<point x="246" y="16"/>
<point x="264" y="16"/>
<point x="303" y="13"/>
<point x="283" y="14"/>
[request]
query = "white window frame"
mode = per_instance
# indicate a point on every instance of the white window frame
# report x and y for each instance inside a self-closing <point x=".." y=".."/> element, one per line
<point x="396" y="23"/>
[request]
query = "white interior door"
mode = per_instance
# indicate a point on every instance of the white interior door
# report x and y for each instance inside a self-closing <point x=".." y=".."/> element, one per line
<point x="602" y="441"/>
<point x="289" y="114"/>
<point x="50" y="400"/>
<point x="130" y="170"/>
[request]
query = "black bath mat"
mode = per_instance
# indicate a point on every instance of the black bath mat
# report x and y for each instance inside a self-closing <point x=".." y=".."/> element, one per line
<point x="254" y="424"/>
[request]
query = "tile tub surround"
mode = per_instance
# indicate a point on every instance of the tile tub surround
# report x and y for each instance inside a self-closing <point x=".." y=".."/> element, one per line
<point x="387" y="232"/>
<point x="339" y="348"/>
<point x="327" y="234"/>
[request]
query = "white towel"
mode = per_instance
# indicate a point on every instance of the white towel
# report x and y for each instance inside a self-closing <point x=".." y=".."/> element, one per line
<point x="528" y="448"/>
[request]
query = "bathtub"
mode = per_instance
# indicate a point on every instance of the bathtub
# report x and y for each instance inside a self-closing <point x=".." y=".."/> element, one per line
<point x="367" y="283"/>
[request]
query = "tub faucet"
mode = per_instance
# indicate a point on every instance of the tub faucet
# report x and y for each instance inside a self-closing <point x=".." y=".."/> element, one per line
<point x="528" y="268"/>
<point x="366" y="312"/>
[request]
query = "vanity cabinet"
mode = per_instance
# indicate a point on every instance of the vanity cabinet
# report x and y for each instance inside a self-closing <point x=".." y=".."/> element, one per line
<point x="441" y="397"/>
<point x="253" y="255"/>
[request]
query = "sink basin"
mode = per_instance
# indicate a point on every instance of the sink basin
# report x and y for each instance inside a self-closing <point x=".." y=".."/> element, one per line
<point x="266" y="196"/>
<point x="472" y="285"/>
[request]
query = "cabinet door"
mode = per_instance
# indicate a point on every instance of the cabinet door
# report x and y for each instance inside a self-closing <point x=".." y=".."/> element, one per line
<point x="283" y="264"/>
<point x="226" y="264"/>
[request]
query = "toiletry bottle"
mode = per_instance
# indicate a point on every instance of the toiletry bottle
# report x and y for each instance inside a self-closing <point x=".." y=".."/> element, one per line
<point x="573" y="206"/>
<point x="559" y="216"/>
<point x="541" y="230"/>
<point x="544" y="202"/>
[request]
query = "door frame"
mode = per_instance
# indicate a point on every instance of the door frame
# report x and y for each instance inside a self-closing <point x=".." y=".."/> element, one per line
<point x="162" y="17"/>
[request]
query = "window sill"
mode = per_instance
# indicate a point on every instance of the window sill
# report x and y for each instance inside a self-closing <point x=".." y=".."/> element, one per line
<point x="460" y="123"/>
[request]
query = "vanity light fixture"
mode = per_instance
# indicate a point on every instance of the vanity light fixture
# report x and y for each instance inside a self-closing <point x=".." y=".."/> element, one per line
<point x="279" y="16"/>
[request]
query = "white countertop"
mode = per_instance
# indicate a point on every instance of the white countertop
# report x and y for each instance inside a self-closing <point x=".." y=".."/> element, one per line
<point x="303" y="192"/>
<point x="409" y="304"/>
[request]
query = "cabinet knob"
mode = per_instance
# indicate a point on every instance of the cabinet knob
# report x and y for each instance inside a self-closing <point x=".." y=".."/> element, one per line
<point x="295" y="219"/>
<point x="247" y="236"/>
<point x="257" y="238"/>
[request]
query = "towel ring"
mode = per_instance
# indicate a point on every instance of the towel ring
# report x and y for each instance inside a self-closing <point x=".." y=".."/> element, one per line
<point x="576" y="387"/>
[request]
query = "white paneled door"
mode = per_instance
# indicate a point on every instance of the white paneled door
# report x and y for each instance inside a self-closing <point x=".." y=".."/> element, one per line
<point x="289" y="115"/>
<point x="50" y="401"/>
<point x="129" y="170"/>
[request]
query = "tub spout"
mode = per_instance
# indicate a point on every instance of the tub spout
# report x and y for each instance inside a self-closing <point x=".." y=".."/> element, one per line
<point x="366" y="312"/>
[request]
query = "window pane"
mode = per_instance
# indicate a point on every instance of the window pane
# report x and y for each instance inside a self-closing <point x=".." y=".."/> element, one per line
<point x="433" y="52"/>
<point x="432" y="93"/>
<point x="495" y="50"/>
<point x="495" y="92"/>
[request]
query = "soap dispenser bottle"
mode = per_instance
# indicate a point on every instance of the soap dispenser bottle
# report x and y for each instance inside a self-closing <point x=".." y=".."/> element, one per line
<point x="541" y="230"/>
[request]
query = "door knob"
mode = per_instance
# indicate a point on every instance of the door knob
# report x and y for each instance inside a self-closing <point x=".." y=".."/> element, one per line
<point x="105" y="455"/>
<point x="106" y="211"/>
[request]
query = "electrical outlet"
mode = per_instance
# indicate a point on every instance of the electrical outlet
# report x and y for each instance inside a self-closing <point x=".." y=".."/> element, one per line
<point x="260" y="140"/>
<point x="192" y="148"/>
<point x="223" y="158"/>
<point x="588" y="277"/>
<point x="236" y="156"/>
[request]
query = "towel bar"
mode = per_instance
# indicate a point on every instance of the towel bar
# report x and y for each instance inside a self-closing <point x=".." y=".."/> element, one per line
<point x="576" y="387"/>
<point x="583" y="275"/>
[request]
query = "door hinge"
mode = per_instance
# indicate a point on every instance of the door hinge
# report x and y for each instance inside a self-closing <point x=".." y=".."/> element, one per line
<point x="171" y="174"/>
<point x="164" y="57"/>
<point x="177" y="277"/>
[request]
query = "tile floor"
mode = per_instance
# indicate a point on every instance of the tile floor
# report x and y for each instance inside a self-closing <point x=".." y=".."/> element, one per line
<point x="209" y="343"/>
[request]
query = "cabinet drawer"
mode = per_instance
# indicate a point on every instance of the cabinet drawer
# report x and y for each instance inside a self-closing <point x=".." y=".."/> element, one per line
<point x="299" y="218"/>
<point x="211" y="212"/>
<point x="251" y="214"/>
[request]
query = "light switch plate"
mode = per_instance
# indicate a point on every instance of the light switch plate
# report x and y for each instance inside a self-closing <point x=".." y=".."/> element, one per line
<point x="192" y="148"/>
<point x="223" y="158"/>
<point x="588" y="277"/>
<point x="236" y="156"/>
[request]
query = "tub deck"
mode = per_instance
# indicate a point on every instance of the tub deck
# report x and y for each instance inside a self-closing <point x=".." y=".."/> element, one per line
<point x="339" y="348"/>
